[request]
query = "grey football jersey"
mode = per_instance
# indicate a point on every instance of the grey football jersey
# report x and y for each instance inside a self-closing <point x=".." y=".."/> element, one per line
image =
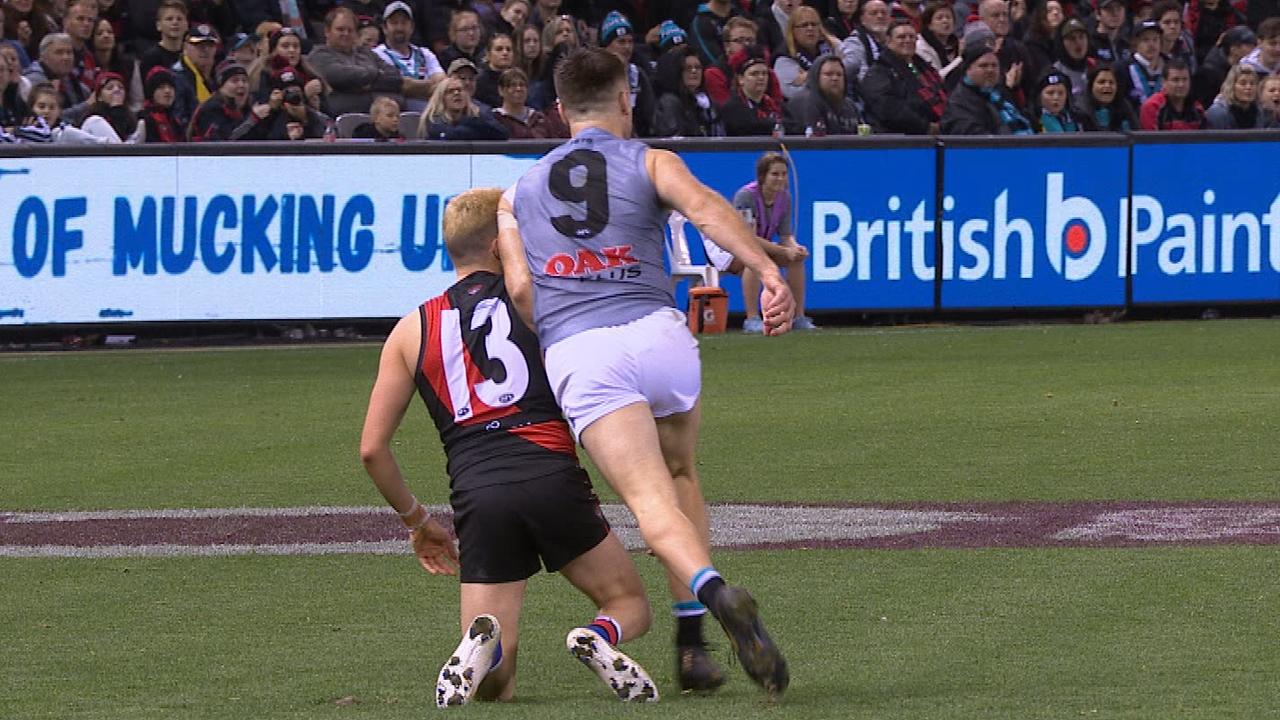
<point x="594" y="236"/>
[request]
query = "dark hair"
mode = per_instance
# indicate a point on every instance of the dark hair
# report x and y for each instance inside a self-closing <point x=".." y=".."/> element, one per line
<point x="767" y="161"/>
<point x="933" y="8"/>
<point x="1040" y="20"/>
<point x="896" y="23"/>
<point x="1176" y="63"/>
<point x="587" y="80"/>
<point x="1165" y="6"/>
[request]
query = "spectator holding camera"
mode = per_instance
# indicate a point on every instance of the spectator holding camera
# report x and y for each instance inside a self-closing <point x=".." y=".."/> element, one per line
<point x="221" y="114"/>
<point x="285" y="115"/>
<point x="1173" y="108"/>
<point x="284" y="49"/>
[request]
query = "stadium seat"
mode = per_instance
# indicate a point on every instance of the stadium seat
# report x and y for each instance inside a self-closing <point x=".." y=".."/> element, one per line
<point x="409" y="124"/>
<point x="348" y="122"/>
<point x="682" y="265"/>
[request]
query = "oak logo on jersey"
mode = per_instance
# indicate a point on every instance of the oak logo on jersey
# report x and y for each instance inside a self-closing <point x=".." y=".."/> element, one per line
<point x="615" y="262"/>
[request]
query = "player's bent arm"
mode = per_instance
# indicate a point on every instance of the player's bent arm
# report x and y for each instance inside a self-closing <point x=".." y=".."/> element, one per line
<point x="707" y="210"/>
<point x="515" y="264"/>
<point x="392" y="392"/>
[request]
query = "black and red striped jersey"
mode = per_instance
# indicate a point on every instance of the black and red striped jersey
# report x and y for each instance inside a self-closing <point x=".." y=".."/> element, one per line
<point x="481" y="375"/>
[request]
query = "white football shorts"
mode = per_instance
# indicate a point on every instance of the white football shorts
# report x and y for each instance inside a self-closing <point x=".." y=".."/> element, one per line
<point x="653" y="359"/>
<point x="719" y="258"/>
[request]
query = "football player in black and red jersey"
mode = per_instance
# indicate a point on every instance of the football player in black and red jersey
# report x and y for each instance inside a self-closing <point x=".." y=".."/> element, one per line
<point x="520" y="499"/>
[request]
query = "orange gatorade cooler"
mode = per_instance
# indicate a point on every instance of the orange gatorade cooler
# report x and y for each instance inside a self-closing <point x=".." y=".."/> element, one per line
<point x="708" y="310"/>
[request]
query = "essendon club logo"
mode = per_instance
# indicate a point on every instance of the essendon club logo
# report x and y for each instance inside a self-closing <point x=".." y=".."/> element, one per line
<point x="615" y="261"/>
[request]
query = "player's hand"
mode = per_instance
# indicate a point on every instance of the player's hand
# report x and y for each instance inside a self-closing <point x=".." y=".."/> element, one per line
<point x="435" y="549"/>
<point x="796" y="252"/>
<point x="777" y="305"/>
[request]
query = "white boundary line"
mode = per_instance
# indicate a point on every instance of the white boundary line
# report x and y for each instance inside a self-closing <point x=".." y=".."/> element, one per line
<point x="204" y="513"/>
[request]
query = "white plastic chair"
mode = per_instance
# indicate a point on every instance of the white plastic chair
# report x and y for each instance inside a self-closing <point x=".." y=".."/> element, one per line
<point x="682" y="265"/>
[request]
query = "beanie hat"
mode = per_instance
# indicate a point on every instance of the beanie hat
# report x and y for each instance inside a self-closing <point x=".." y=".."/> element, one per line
<point x="157" y="77"/>
<point x="670" y="35"/>
<point x="228" y="70"/>
<point x="102" y="79"/>
<point x="615" y="25"/>
<point x="1053" y="77"/>
<point x="978" y="41"/>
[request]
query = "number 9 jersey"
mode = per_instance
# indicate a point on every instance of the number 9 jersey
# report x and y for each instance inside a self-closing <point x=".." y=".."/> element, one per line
<point x="480" y="373"/>
<point x="594" y="236"/>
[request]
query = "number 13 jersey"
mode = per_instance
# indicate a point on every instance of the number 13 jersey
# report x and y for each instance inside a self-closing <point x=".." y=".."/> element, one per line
<point x="480" y="373"/>
<point x="594" y="236"/>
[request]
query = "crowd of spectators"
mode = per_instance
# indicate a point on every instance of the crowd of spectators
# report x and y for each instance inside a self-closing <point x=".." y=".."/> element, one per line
<point x="165" y="71"/>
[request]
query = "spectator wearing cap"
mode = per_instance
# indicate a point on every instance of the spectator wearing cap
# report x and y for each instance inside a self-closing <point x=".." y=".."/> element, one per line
<point x="355" y="76"/>
<point x="108" y="114"/>
<point x="418" y="66"/>
<point x="451" y="115"/>
<point x="1235" y="45"/>
<point x="1265" y="59"/>
<point x="617" y="36"/>
<point x="368" y="33"/>
<point x="54" y="66"/>
<point x="157" y="110"/>
<point x="1207" y="20"/>
<point x="862" y="48"/>
<point x="1109" y="40"/>
<point x="499" y="57"/>
<point x="466" y="72"/>
<point x="1103" y="107"/>
<point x="980" y="105"/>
<point x="224" y="111"/>
<point x="285" y="115"/>
<point x="109" y="55"/>
<point x="171" y="24"/>
<point x="938" y="44"/>
<point x="750" y="110"/>
<point x="515" y="114"/>
<point x="1071" y="54"/>
<point x="1175" y="42"/>
<point x="1144" y="73"/>
<point x="806" y="41"/>
<point x="906" y="94"/>
<point x="772" y="19"/>
<point x="466" y="39"/>
<point x="1051" y="110"/>
<point x="1173" y="108"/>
<point x="683" y="108"/>
<point x="1237" y="106"/>
<point x="242" y="48"/>
<point x="828" y="104"/>
<point x="384" y="122"/>
<point x="194" y="72"/>
<point x="707" y="29"/>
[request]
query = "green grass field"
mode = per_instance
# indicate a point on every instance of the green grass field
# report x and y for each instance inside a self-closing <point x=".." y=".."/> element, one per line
<point x="1143" y="411"/>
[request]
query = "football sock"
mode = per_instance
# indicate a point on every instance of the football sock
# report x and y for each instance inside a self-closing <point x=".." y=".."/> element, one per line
<point x="607" y="628"/>
<point x="689" y="622"/>
<point x="706" y="585"/>
<point x="497" y="657"/>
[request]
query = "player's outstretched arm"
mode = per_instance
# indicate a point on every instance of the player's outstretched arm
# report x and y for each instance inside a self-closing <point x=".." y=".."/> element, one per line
<point x="715" y="218"/>
<point x="515" y="264"/>
<point x="392" y="392"/>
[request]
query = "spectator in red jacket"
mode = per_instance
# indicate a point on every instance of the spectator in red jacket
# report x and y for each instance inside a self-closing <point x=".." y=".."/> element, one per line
<point x="1172" y="107"/>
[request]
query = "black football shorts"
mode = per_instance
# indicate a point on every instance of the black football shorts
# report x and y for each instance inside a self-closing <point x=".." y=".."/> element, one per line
<point x="507" y="532"/>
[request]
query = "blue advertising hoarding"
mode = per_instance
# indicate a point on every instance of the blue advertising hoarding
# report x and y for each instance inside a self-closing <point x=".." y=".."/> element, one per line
<point x="862" y="213"/>
<point x="1206" y="222"/>
<point x="1033" y="227"/>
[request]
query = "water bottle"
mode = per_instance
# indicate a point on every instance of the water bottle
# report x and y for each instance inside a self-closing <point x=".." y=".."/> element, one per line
<point x="777" y="129"/>
<point x="820" y="128"/>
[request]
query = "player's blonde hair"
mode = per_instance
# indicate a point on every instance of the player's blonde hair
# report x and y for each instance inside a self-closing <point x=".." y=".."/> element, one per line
<point x="471" y="224"/>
